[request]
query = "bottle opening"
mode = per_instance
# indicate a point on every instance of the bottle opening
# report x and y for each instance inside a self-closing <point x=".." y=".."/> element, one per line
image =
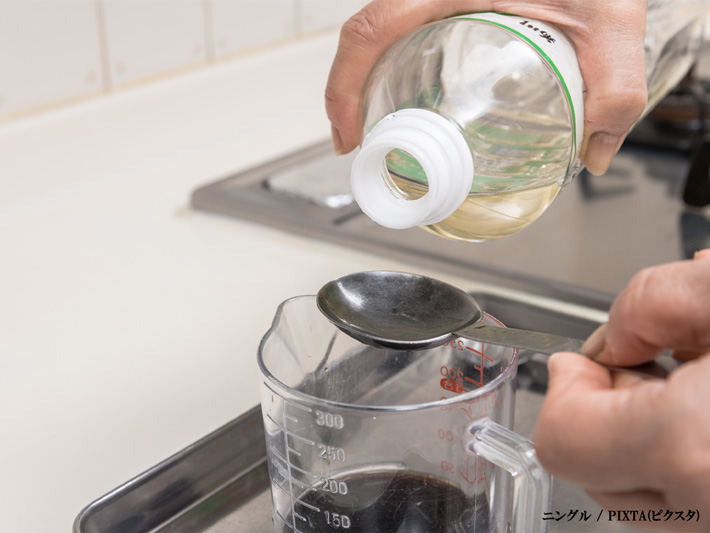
<point x="404" y="176"/>
<point x="414" y="168"/>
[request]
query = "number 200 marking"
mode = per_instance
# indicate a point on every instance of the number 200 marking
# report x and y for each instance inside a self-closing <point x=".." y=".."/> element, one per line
<point x="334" y="486"/>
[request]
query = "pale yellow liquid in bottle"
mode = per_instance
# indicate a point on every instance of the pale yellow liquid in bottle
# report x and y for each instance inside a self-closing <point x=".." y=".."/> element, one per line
<point x="485" y="217"/>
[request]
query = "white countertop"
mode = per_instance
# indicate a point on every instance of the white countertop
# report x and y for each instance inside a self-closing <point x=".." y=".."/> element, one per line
<point x="130" y="322"/>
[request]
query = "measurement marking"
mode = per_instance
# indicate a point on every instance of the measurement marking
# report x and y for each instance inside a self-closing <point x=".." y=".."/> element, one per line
<point x="302" y="471"/>
<point x="289" y="524"/>
<point x="268" y="415"/>
<point x="289" y="466"/>
<point x="290" y="475"/>
<point x="285" y="489"/>
<point x="308" y="505"/>
<point x="277" y="454"/>
<point x="479" y="352"/>
<point x="295" y="452"/>
<point x="304" y="439"/>
<point x="291" y="418"/>
<point x="302" y="485"/>
<point x="282" y="518"/>
<point x="303" y="407"/>
<point x="306" y="409"/>
<point x="287" y="432"/>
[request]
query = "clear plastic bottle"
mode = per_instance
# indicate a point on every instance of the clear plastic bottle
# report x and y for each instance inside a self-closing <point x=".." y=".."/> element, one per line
<point x="474" y="123"/>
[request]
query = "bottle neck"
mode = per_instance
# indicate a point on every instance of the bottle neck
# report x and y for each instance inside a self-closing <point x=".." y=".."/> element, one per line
<point x="441" y="150"/>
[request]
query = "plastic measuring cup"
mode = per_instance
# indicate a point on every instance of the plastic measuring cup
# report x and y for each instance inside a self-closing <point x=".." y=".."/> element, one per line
<point x="369" y="439"/>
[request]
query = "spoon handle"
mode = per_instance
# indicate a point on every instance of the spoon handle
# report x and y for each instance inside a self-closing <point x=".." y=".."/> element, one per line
<point x="534" y="341"/>
<point x="547" y="343"/>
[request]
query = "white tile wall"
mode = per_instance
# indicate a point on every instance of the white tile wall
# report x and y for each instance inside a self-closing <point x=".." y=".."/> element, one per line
<point x="319" y="14"/>
<point x="58" y="51"/>
<point x="150" y="37"/>
<point x="238" y="25"/>
<point x="48" y="53"/>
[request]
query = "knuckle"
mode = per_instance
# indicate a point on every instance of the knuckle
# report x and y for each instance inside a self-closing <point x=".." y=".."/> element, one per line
<point x="662" y="306"/>
<point x="631" y="99"/>
<point x="332" y="99"/>
<point x="618" y="106"/>
<point x="638" y="299"/>
<point x="641" y="292"/>
<point x="642" y="280"/>
<point x="360" y="29"/>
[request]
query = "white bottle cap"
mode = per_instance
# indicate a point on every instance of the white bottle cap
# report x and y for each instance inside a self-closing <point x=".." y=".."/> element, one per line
<point x="438" y="146"/>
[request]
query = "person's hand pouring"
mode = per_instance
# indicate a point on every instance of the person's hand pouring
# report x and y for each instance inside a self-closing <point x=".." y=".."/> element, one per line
<point x="608" y="37"/>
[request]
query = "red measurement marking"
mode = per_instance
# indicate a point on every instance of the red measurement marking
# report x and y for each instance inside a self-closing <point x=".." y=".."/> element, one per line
<point x="480" y="466"/>
<point x="468" y="410"/>
<point x="474" y="381"/>
<point x="452" y="386"/>
<point x="479" y="352"/>
<point x="479" y="368"/>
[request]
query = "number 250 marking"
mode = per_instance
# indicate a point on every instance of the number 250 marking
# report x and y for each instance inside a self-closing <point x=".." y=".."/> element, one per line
<point x="331" y="453"/>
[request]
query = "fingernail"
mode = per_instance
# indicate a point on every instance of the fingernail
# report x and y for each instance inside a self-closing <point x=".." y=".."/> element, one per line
<point x="601" y="150"/>
<point x="595" y="343"/>
<point x="551" y="360"/>
<point x="337" y="141"/>
<point x="556" y="365"/>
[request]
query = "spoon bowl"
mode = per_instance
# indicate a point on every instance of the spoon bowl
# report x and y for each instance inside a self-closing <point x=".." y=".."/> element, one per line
<point x="413" y="312"/>
<point x="397" y="309"/>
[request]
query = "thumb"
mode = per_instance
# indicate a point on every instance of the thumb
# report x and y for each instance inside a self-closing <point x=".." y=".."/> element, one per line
<point x="589" y="431"/>
<point x="662" y="307"/>
<point x="573" y="374"/>
<point x="612" y="60"/>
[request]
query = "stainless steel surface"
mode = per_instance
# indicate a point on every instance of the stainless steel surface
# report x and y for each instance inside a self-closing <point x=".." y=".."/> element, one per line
<point x="584" y="249"/>
<point x="413" y="312"/>
<point x="190" y="491"/>
<point x="220" y="484"/>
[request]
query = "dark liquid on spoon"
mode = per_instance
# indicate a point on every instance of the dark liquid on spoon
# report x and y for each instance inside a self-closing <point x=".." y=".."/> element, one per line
<point x="388" y="501"/>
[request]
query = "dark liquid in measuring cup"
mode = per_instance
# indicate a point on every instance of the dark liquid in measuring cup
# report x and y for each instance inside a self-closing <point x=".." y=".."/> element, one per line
<point x="392" y="501"/>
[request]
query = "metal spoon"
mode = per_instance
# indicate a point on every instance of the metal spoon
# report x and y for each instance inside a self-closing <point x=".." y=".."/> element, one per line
<point x="412" y="312"/>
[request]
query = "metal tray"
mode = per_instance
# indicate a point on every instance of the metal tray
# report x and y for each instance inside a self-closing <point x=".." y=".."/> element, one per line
<point x="220" y="484"/>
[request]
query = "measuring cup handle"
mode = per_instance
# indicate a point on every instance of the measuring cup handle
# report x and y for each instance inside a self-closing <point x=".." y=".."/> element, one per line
<point x="532" y="484"/>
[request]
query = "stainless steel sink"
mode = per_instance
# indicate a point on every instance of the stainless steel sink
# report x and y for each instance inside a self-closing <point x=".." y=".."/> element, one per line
<point x="584" y="249"/>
